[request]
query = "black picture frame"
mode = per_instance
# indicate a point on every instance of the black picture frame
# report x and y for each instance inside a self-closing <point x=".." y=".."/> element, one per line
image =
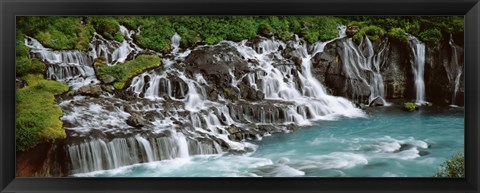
<point x="10" y="8"/>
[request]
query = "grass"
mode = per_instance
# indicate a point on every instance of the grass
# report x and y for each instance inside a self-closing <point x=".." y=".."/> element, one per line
<point x="38" y="116"/>
<point x="122" y="72"/>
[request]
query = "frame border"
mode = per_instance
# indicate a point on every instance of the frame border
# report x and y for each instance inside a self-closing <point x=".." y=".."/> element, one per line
<point x="10" y="8"/>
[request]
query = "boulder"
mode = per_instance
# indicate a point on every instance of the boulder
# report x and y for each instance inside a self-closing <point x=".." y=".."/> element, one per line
<point x="90" y="90"/>
<point x="136" y="120"/>
<point x="352" y="30"/>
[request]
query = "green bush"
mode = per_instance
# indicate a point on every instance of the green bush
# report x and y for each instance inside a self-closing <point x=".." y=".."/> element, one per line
<point x="431" y="36"/>
<point x="37" y="115"/>
<point x="373" y="32"/>
<point x="409" y="106"/>
<point x="453" y="168"/>
<point x="122" y="72"/>
<point x="398" y="34"/>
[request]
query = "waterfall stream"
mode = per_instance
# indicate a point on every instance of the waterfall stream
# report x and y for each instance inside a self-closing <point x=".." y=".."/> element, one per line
<point x="363" y="64"/>
<point x="185" y="114"/>
<point x="418" y="68"/>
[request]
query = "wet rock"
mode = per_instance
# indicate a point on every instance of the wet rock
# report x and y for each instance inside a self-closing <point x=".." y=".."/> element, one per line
<point x="352" y="30"/>
<point x="90" y="90"/>
<point x="125" y="94"/>
<point x="377" y="102"/>
<point x="136" y="120"/>
<point x="264" y="31"/>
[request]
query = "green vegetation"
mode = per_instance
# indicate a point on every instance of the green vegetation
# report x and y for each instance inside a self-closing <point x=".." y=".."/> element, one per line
<point x="122" y="72"/>
<point x="373" y="32"/>
<point x="75" y="32"/>
<point x="38" y="116"/>
<point x="429" y="29"/>
<point x="58" y="32"/>
<point x="398" y="34"/>
<point x="25" y="65"/>
<point x="453" y="168"/>
<point x="409" y="106"/>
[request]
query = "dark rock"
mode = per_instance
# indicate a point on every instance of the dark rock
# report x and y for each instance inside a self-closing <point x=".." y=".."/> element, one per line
<point x="136" y="120"/>
<point x="297" y="60"/>
<point x="352" y="30"/>
<point x="264" y="31"/>
<point x="90" y="90"/>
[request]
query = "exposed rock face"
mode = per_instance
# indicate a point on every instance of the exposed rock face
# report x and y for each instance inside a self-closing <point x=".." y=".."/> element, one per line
<point x="44" y="160"/>
<point x="444" y="66"/>
<point x="443" y="72"/>
<point x="108" y="79"/>
<point x="90" y="90"/>
<point x="352" y="30"/>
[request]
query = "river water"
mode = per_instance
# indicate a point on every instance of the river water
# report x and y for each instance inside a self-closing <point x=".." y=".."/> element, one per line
<point x="387" y="143"/>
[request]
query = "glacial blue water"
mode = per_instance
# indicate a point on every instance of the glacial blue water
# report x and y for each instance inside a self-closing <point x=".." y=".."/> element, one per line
<point x="385" y="144"/>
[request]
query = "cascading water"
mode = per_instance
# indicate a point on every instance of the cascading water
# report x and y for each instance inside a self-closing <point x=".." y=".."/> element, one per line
<point x="76" y="67"/>
<point x="364" y="67"/>
<point x="454" y="71"/>
<point x="418" y="68"/>
<point x="183" y="118"/>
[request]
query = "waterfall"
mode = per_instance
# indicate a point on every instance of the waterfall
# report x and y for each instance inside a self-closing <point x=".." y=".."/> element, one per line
<point x="418" y="68"/>
<point x="364" y="67"/>
<point x="454" y="71"/>
<point x="175" y="42"/>
<point x="100" y="154"/>
<point x="176" y="102"/>
<point x="76" y="67"/>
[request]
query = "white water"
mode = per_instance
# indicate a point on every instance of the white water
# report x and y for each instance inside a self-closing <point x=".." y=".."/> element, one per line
<point x="418" y="68"/>
<point x="206" y="121"/>
<point x="454" y="70"/>
<point x="364" y="67"/>
<point x="76" y="67"/>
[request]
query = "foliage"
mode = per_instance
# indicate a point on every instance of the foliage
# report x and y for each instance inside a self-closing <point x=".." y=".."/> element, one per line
<point x="398" y="34"/>
<point x="429" y="29"/>
<point x="58" y="32"/>
<point x="373" y="32"/>
<point x="38" y="116"/>
<point x="409" y="106"/>
<point x="431" y="36"/>
<point x="108" y="27"/>
<point x="453" y="168"/>
<point x="76" y="32"/>
<point x="25" y="65"/>
<point x="122" y="72"/>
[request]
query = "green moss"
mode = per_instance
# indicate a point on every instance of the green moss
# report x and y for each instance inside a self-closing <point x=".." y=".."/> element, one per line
<point x="38" y="116"/>
<point x="398" y="34"/>
<point x="409" y="106"/>
<point x="453" y="168"/>
<point x="122" y="72"/>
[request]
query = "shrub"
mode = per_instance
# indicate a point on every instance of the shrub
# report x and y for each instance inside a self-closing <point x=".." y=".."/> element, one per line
<point x="398" y="34"/>
<point x="122" y="72"/>
<point x="431" y="36"/>
<point x="453" y="168"/>
<point x="409" y="106"/>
